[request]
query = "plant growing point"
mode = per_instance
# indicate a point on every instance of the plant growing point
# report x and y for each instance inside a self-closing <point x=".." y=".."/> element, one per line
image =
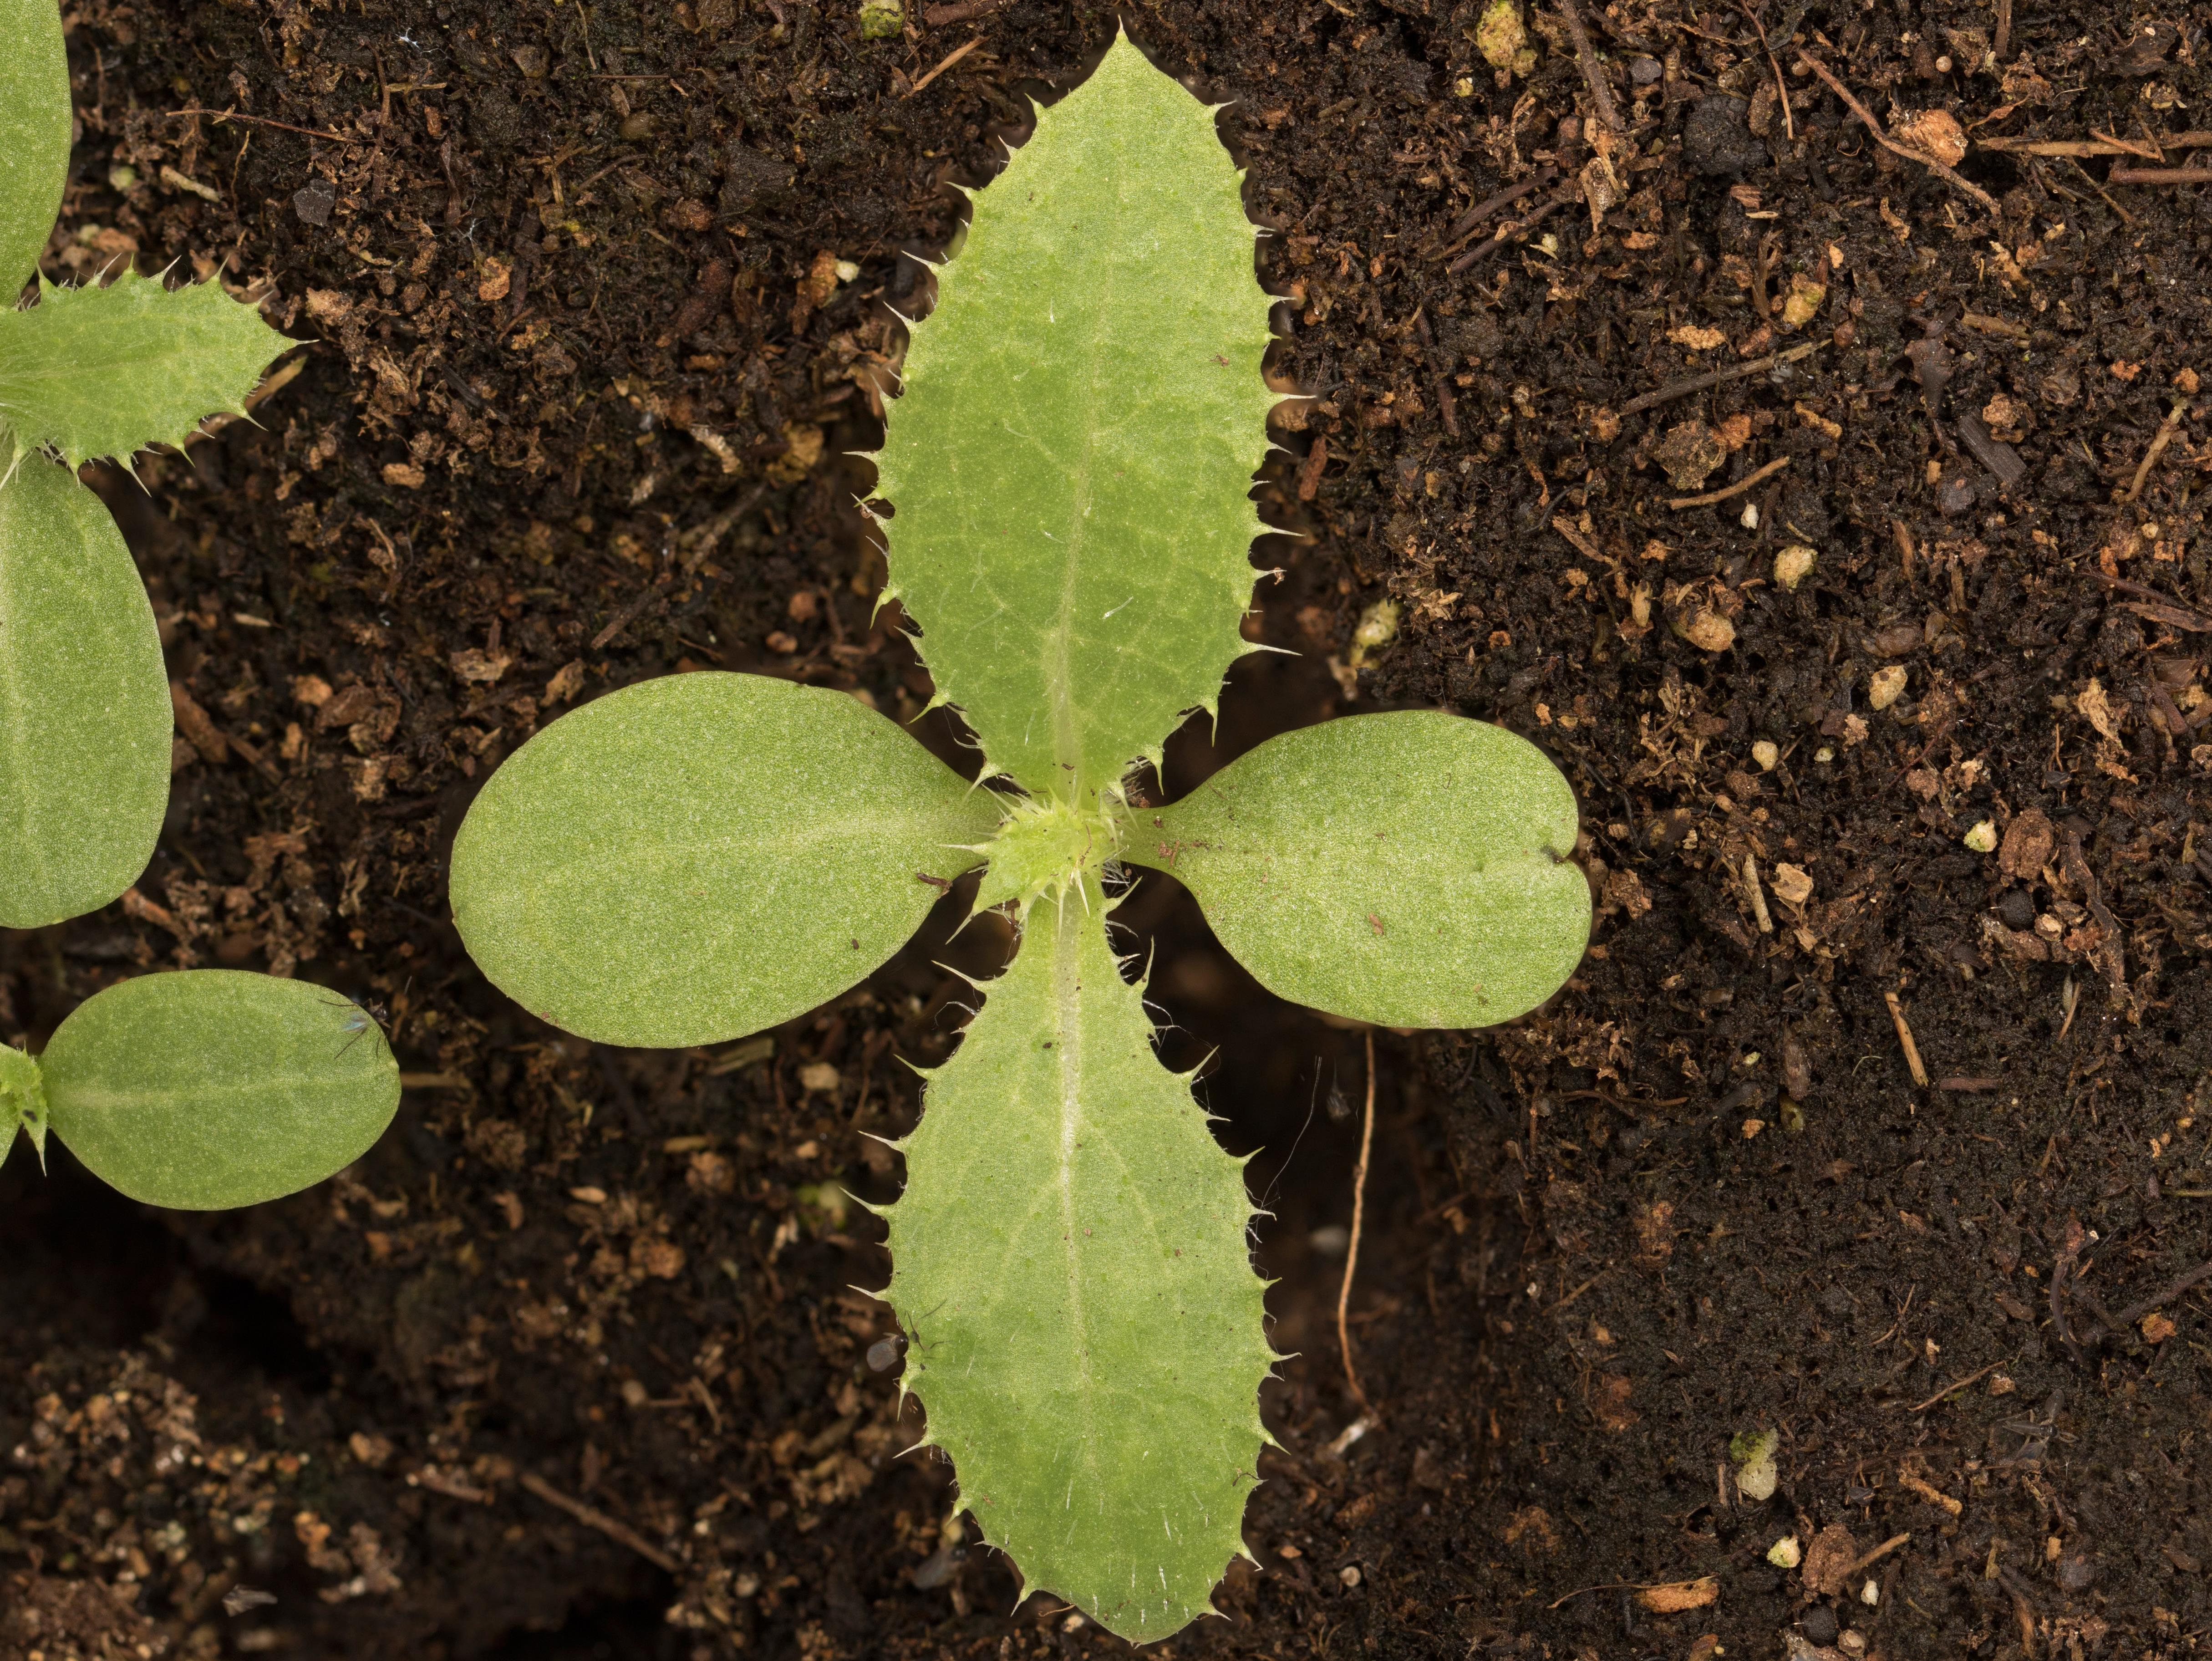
<point x="690" y="860"/>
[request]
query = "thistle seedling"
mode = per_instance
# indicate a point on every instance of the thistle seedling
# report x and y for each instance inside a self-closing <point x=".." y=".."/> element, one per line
<point x="84" y="701"/>
<point x="200" y="1090"/>
<point x="692" y="859"/>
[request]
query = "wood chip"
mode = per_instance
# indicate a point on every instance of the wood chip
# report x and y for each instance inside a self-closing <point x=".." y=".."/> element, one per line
<point x="1679" y="1595"/>
<point x="1905" y="1040"/>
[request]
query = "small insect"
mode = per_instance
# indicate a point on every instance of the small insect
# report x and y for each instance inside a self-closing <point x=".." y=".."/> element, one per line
<point x="360" y="1017"/>
<point x="242" y="1598"/>
<point x="1339" y="1105"/>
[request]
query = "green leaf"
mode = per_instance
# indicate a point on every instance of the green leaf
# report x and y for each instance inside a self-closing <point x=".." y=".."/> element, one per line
<point x="84" y="702"/>
<point x="105" y="372"/>
<point x="1071" y="457"/>
<point x="1408" y="869"/>
<point x="205" y="1089"/>
<point x="694" y="858"/>
<point x="34" y="135"/>
<point x="22" y="1104"/>
<point x="1071" y="1270"/>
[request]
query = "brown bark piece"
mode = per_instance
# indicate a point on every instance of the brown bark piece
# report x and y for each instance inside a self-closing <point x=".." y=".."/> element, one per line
<point x="1828" y="1560"/>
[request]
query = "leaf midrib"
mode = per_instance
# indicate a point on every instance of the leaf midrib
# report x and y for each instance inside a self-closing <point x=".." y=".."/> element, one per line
<point x="664" y="851"/>
<point x="1060" y="670"/>
<point x="297" y="1088"/>
<point x="1068" y="1074"/>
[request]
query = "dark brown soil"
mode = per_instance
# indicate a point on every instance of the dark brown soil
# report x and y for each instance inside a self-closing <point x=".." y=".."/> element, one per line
<point x="570" y="1366"/>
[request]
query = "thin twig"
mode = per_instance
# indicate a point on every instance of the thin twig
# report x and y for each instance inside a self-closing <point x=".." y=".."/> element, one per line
<point x="221" y="116"/>
<point x="1358" y="1218"/>
<point x="2158" y="444"/>
<point x="2128" y="147"/>
<point x="1611" y="1585"/>
<point x="1734" y="489"/>
<point x="1953" y="1390"/>
<point x="583" y="28"/>
<point x="1876" y="1555"/>
<point x="1481" y="210"/>
<point x="2063" y="1261"/>
<point x="2149" y="152"/>
<point x="620" y="1532"/>
<point x="2160" y="175"/>
<point x="2136" y="1311"/>
<point x="631" y="612"/>
<point x="1781" y="86"/>
<point x="2001" y="48"/>
<point x="2071" y="147"/>
<point x="1577" y="1293"/>
<point x="1506" y="232"/>
<point x="2157" y="607"/>
<point x="1717" y="378"/>
<point x="1905" y="1040"/>
<point x="1600" y="93"/>
<point x="1891" y="144"/>
<point x="1446" y="404"/>
<point x="2126" y="218"/>
<point x="949" y="60"/>
<point x="453" y="1488"/>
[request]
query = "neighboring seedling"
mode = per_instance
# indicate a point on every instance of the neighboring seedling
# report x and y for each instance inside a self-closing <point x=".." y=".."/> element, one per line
<point x="84" y="701"/>
<point x="206" y="1089"/>
<point x="202" y="1090"/>
<point x="694" y="858"/>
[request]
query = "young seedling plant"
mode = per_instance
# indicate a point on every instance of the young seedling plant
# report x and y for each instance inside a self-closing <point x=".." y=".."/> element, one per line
<point x="694" y="858"/>
<point x="200" y="1089"/>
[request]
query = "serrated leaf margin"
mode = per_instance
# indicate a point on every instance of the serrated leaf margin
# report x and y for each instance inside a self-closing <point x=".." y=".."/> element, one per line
<point x="105" y="371"/>
<point x="963" y="537"/>
<point x="993" y="1391"/>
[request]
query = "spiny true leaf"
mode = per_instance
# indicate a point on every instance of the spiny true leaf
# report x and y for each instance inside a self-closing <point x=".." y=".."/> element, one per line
<point x="105" y="372"/>
<point x="1071" y="1271"/>
<point x="22" y="1104"/>
<point x="34" y="135"/>
<point x="1082" y="415"/>
<point x="1407" y="869"/>
<point x="84" y="701"/>
<point x="696" y="858"/>
<point x="207" y="1088"/>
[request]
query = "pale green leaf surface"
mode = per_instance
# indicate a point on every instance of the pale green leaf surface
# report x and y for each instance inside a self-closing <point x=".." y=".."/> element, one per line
<point x="105" y="372"/>
<point x="205" y="1089"/>
<point x="34" y="135"/>
<point x="1407" y="869"/>
<point x="1071" y="1270"/>
<point x="1071" y="457"/>
<point x="84" y="702"/>
<point x="696" y="858"/>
